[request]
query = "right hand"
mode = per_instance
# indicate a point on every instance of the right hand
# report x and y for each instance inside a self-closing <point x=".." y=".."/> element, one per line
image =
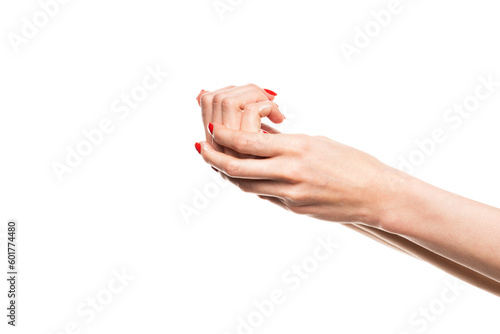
<point x="237" y="108"/>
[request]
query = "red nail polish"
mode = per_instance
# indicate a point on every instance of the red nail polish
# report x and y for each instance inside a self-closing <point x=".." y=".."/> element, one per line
<point x="211" y="128"/>
<point x="268" y="91"/>
<point x="198" y="98"/>
<point x="264" y="131"/>
<point x="198" y="147"/>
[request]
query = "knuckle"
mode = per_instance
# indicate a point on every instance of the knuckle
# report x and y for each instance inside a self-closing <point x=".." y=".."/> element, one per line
<point x="262" y="140"/>
<point x="218" y="98"/>
<point x="251" y="85"/>
<point x="244" y="186"/>
<point x="228" y="101"/>
<point x="293" y="173"/>
<point x="294" y="195"/>
<point x="305" y="142"/>
<point x="251" y="108"/>
<point x="206" y="99"/>
<point x="205" y="158"/>
<point x="241" y="143"/>
<point x="301" y="144"/>
<point x="231" y="168"/>
<point x="299" y="209"/>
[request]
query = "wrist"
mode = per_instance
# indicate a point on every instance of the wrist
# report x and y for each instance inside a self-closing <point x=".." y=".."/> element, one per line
<point x="392" y="203"/>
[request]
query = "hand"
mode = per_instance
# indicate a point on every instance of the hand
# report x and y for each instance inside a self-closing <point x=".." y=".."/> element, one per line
<point x="308" y="175"/>
<point x="237" y="108"/>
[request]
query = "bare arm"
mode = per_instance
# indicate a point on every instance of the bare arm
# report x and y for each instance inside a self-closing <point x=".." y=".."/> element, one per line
<point x="460" y="229"/>
<point x="324" y="179"/>
<point x="330" y="181"/>
<point x="410" y="248"/>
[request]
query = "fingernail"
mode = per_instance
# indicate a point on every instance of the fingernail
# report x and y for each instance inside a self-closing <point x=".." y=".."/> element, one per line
<point x="199" y="95"/>
<point x="268" y="91"/>
<point x="198" y="147"/>
<point x="211" y="128"/>
<point x="264" y="131"/>
<point x="215" y="169"/>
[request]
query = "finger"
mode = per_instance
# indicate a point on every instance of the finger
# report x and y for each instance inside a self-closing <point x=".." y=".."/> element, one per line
<point x="238" y="168"/>
<point x="261" y="187"/>
<point x="217" y="113"/>
<point x="202" y="92"/>
<point x="205" y="101"/>
<point x="257" y="143"/>
<point x="268" y="188"/>
<point x="254" y="112"/>
<point x="212" y="111"/>
<point x="274" y="200"/>
<point x="232" y="106"/>
<point x="199" y="96"/>
<point x="227" y="105"/>
<point x="267" y="92"/>
<point x="270" y="94"/>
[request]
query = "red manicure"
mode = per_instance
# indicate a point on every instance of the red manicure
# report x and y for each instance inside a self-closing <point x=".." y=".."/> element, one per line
<point x="198" y="147"/>
<point x="211" y="128"/>
<point x="199" y="95"/>
<point x="268" y="91"/>
<point x="264" y="131"/>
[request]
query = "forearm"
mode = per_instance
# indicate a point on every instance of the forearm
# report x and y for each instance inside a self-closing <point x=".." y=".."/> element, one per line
<point x="459" y="229"/>
<point x="410" y="248"/>
<point x="362" y="229"/>
<point x="331" y="181"/>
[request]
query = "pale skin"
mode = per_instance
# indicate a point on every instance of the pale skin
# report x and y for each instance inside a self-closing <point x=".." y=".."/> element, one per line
<point x="321" y="178"/>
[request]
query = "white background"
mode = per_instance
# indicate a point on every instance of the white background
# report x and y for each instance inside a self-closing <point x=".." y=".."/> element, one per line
<point x="120" y="208"/>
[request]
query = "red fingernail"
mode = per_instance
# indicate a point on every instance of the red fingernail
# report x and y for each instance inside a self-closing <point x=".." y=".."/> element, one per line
<point x="211" y="128"/>
<point x="264" y="131"/>
<point x="268" y="91"/>
<point x="215" y="169"/>
<point x="198" y="147"/>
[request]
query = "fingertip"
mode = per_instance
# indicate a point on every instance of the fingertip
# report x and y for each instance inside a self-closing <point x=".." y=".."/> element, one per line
<point x="276" y="118"/>
<point x="270" y="92"/>
<point x="198" y="98"/>
<point x="205" y="147"/>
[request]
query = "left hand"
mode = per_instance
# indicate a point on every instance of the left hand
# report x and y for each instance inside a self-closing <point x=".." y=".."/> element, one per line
<point x="308" y="175"/>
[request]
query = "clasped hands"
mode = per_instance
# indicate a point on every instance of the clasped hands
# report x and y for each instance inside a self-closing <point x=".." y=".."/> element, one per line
<point x="310" y="175"/>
